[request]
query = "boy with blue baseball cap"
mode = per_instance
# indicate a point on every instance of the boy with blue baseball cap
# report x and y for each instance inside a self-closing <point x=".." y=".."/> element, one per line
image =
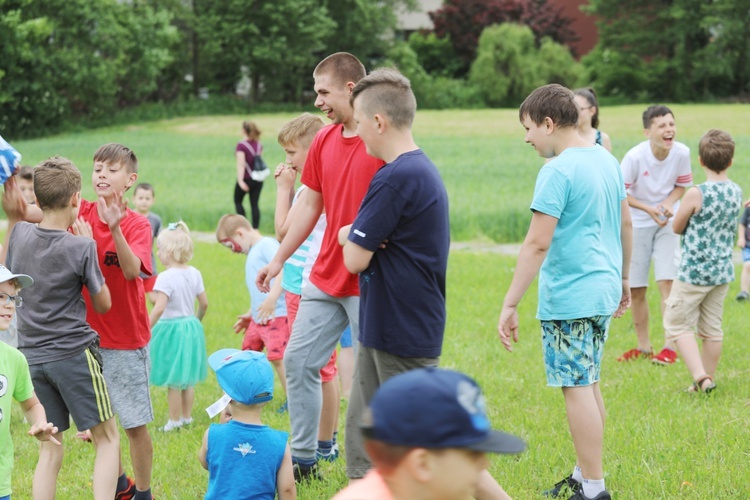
<point x="427" y="434"/>
<point x="244" y="458"/>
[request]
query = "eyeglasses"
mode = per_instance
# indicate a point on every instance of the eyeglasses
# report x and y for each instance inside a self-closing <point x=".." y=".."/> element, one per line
<point x="5" y="299"/>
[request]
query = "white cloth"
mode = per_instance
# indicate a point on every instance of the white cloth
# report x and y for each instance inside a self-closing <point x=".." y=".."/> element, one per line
<point x="650" y="180"/>
<point x="182" y="286"/>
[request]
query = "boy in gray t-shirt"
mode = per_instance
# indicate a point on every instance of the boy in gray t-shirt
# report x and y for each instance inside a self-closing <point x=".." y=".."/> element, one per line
<point x="60" y="346"/>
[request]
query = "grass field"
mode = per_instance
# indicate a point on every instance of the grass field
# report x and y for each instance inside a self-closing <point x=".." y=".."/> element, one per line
<point x="487" y="168"/>
<point x="660" y="442"/>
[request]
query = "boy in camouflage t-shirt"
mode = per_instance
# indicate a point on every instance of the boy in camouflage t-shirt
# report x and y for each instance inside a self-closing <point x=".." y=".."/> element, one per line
<point x="707" y="220"/>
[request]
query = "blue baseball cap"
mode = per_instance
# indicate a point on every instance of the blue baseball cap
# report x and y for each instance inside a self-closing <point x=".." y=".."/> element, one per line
<point x="245" y="376"/>
<point x="434" y="408"/>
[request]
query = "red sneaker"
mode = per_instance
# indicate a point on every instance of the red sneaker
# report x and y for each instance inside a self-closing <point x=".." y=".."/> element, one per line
<point x="128" y="493"/>
<point x="635" y="354"/>
<point x="665" y="357"/>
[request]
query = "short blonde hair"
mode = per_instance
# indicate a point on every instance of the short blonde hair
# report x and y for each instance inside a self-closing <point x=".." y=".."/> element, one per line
<point x="229" y="223"/>
<point x="300" y="131"/>
<point x="175" y="241"/>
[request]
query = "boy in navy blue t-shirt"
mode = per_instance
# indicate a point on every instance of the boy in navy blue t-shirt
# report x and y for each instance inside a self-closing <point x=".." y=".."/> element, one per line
<point x="402" y="283"/>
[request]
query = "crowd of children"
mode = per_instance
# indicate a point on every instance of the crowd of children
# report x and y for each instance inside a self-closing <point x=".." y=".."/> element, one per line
<point x="350" y="254"/>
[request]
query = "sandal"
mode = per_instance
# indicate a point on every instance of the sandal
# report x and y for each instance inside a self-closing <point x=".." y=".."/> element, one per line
<point x="699" y="387"/>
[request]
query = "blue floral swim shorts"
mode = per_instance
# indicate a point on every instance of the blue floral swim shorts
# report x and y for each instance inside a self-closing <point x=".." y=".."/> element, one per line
<point x="573" y="350"/>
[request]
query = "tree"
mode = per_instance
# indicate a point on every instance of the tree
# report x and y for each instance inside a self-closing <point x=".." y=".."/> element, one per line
<point x="278" y="42"/>
<point x="509" y="65"/>
<point x="464" y="21"/>
<point x="685" y="49"/>
<point x="61" y="60"/>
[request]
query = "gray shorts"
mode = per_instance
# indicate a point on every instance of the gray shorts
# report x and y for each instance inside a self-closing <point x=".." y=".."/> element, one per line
<point x="659" y="244"/>
<point x="73" y="387"/>
<point x="126" y="373"/>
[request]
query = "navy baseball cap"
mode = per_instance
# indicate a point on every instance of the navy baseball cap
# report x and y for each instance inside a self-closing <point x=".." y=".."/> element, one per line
<point x="434" y="408"/>
<point x="246" y="376"/>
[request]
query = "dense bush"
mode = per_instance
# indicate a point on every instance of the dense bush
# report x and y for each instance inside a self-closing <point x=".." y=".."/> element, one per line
<point x="509" y="65"/>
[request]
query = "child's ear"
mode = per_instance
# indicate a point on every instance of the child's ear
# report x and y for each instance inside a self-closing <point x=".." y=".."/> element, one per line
<point x="75" y="200"/>
<point x="132" y="177"/>
<point x="381" y="122"/>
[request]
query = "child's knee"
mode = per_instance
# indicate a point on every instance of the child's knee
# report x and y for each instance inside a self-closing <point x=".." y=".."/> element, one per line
<point x="106" y="433"/>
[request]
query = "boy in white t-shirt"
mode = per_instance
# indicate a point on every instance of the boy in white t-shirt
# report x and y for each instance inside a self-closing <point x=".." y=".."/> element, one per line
<point x="656" y="174"/>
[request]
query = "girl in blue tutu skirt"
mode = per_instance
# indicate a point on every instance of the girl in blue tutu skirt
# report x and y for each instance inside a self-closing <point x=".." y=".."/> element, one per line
<point x="178" y="344"/>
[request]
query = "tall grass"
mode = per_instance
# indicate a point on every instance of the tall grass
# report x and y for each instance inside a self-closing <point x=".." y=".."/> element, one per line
<point x="660" y="442"/>
<point x="488" y="170"/>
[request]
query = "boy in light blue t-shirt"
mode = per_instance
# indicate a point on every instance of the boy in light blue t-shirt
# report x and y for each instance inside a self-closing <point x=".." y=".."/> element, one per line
<point x="579" y="241"/>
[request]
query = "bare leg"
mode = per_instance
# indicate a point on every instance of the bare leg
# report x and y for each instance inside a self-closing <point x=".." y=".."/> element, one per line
<point x="47" y="468"/>
<point x="188" y="397"/>
<point x="640" y="317"/>
<point x="142" y="455"/>
<point x="107" y="442"/>
<point x="691" y="355"/>
<point x="278" y="365"/>
<point x="329" y="413"/>
<point x="710" y="356"/>
<point x="489" y="489"/>
<point x="665" y="287"/>
<point x="346" y="370"/>
<point x="174" y="402"/>
<point x="586" y="428"/>
<point x="745" y="277"/>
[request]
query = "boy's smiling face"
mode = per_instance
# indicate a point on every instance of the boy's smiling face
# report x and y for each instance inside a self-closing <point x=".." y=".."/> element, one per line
<point x="538" y="136"/>
<point x="110" y="178"/>
<point x="7" y="310"/>
<point x="662" y="132"/>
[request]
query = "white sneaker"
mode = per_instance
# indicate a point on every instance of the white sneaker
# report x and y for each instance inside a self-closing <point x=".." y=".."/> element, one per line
<point x="171" y="426"/>
<point x="186" y="421"/>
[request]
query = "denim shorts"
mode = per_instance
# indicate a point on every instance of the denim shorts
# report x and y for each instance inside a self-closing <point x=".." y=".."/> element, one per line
<point x="745" y="254"/>
<point x="573" y="350"/>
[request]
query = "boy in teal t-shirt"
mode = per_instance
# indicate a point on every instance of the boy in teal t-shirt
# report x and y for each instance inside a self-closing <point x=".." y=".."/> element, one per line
<point x="15" y="381"/>
<point x="580" y="239"/>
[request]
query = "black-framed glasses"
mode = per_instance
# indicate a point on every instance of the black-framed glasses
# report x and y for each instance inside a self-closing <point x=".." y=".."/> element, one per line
<point x="6" y="299"/>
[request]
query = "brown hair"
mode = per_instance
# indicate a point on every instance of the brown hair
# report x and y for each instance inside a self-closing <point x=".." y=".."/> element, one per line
<point x="229" y="223"/>
<point x="14" y="283"/>
<point x="655" y="112"/>
<point x="386" y="457"/>
<point x="716" y="150"/>
<point x="300" y="131"/>
<point x="343" y="67"/>
<point x="590" y="96"/>
<point x="146" y="187"/>
<point x="387" y="91"/>
<point x="56" y="180"/>
<point x="251" y="129"/>
<point x="114" y="154"/>
<point x="550" y="101"/>
<point x="26" y="173"/>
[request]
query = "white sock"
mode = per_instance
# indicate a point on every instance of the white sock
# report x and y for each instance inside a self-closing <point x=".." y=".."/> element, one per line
<point x="577" y="474"/>
<point x="186" y="421"/>
<point x="592" y="487"/>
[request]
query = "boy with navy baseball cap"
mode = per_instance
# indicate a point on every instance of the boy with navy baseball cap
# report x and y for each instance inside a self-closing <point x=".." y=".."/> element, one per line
<point x="427" y="435"/>
<point x="244" y="458"/>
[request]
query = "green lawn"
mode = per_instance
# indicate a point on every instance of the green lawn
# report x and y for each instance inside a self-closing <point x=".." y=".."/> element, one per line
<point x="660" y="441"/>
<point x="488" y="170"/>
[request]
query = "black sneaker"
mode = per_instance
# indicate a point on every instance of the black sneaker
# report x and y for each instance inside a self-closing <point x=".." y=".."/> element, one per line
<point x="568" y="483"/>
<point x="604" y="495"/>
<point x="306" y="472"/>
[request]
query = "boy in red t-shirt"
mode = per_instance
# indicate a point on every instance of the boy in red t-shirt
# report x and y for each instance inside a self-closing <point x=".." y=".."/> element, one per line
<point x="337" y="173"/>
<point x="123" y="241"/>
